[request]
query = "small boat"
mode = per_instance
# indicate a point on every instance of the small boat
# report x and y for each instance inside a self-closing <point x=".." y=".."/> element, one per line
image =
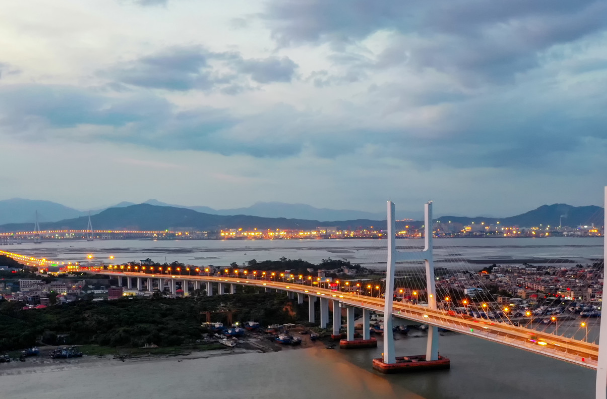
<point x="65" y="353"/>
<point x="228" y="342"/>
<point x="31" y="352"/>
<point x="251" y="325"/>
<point x="284" y="339"/>
<point x="313" y="336"/>
<point x="296" y="341"/>
<point x="274" y="328"/>
<point x="217" y="327"/>
<point x="5" y="359"/>
<point x="377" y="328"/>
<point x="234" y="332"/>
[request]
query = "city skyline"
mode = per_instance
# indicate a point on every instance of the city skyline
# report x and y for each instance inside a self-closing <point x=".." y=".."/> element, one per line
<point x="305" y="102"/>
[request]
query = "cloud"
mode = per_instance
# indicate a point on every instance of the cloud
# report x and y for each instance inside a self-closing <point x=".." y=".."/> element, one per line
<point x="183" y="68"/>
<point x="271" y="69"/>
<point x="477" y="41"/>
<point x="147" y="3"/>
<point x="6" y="69"/>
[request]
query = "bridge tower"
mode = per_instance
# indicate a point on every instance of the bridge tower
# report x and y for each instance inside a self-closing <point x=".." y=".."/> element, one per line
<point x="393" y="257"/>
<point x="601" y="369"/>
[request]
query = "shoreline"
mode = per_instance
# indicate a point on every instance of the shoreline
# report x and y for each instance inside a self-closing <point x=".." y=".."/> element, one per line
<point x="255" y="343"/>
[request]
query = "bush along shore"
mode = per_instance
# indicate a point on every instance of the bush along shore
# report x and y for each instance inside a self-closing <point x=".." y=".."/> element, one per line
<point x="168" y="325"/>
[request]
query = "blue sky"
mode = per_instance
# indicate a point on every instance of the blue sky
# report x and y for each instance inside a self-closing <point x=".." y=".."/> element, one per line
<point x="485" y="107"/>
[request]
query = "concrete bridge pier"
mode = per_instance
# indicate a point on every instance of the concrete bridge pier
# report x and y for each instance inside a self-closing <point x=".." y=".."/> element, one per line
<point x="160" y="285"/>
<point x="300" y="298"/>
<point x="352" y="343"/>
<point x="311" y="308"/>
<point x="290" y="294"/>
<point x="185" y="287"/>
<point x="139" y="284"/>
<point x="209" y="288"/>
<point x="220" y="289"/>
<point x="350" y="324"/>
<point x="129" y="283"/>
<point x="149" y="285"/>
<point x="196" y="285"/>
<point x="173" y="286"/>
<point x="432" y="344"/>
<point x="324" y="312"/>
<point x="119" y="281"/>
<point x="232" y="288"/>
<point x="366" y="324"/>
<point x="336" y="320"/>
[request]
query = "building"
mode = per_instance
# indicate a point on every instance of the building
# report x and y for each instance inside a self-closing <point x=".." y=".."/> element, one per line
<point x="26" y="285"/>
<point x="115" y="293"/>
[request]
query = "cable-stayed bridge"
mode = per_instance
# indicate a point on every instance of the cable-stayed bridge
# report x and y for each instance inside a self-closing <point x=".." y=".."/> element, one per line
<point x="500" y="330"/>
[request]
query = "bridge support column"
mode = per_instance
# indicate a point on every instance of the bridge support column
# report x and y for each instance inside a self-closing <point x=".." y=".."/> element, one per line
<point x="209" y="288"/>
<point x="324" y="312"/>
<point x="336" y="320"/>
<point x="350" y="323"/>
<point x="139" y="284"/>
<point x="220" y="290"/>
<point x="300" y="298"/>
<point x="129" y="283"/>
<point x="173" y="286"/>
<point x="290" y="294"/>
<point x="366" y="324"/>
<point x="160" y="285"/>
<point x="196" y="285"/>
<point x="432" y="344"/>
<point x="232" y="288"/>
<point x="149" y="285"/>
<point x="601" y="367"/>
<point x="311" y="309"/>
<point x="119" y="281"/>
<point x="185" y="287"/>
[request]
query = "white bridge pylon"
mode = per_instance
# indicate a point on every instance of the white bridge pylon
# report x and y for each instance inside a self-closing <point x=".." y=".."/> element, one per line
<point x="397" y="256"/>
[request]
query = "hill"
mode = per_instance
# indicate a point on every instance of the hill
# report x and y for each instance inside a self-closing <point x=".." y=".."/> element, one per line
<point x="18" y="210"/>
<point x="151" y="217"/>
<point x="546" y="215"/>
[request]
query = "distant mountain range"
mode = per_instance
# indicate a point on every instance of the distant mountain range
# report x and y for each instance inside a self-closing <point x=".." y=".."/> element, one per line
<point x="18" y="210"/>
<point x="546" y="215"/>
<point x="155" y="217"/>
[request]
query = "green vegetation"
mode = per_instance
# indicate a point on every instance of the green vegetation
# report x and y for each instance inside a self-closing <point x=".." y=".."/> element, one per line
<point x="299" y="266"/>
<point x="135" y="322"/>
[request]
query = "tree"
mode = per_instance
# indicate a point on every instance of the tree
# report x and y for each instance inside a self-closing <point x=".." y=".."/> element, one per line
<point x="52" y="297"/>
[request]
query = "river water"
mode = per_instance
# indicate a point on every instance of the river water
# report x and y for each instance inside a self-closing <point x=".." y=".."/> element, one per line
<point x="370" y="253"/>
<point x="479" y="369"/>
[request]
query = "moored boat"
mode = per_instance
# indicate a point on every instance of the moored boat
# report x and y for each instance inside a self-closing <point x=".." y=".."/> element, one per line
<point x="251" y="325"/>
<point x="233" y="332"/>
<point x="284" y="339"/>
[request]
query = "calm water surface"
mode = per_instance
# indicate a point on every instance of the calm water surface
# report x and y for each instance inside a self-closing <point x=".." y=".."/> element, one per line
<point x="479" y="369"/>
<point x="372" y="253"/>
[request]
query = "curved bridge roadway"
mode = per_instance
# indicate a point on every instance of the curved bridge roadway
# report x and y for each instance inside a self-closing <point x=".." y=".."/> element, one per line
<point x="561" y="348"/>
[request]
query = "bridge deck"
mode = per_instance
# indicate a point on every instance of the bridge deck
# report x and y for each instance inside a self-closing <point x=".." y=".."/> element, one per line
<point x="566" y="349"/>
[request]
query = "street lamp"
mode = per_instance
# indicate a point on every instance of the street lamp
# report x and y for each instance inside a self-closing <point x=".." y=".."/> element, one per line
<point x="484" y="309"/>
<point x="371" y="287"/>
<point x="377" y="288"/>
<point x="556" y="325"/>
<point x="529" y="314"/>
<point x="585" y="325"/>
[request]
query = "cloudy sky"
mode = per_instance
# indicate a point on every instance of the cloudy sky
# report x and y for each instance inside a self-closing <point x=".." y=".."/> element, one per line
<point x="485" y="107"/>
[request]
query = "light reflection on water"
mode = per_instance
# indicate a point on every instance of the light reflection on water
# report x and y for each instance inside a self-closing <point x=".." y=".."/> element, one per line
<point x="480" y="370"/>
